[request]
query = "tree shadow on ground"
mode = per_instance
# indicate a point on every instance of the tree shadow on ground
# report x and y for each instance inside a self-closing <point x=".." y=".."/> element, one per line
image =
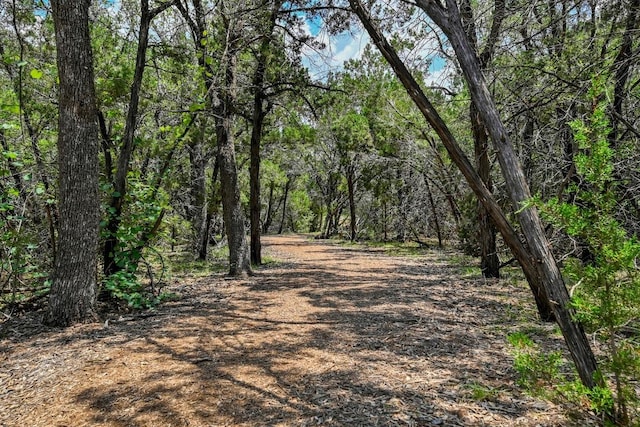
<point x="377" y="345"/>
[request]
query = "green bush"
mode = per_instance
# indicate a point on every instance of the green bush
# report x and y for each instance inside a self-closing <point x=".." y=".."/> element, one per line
<point x="125" y="286"/>
<point x="605" y="290"/>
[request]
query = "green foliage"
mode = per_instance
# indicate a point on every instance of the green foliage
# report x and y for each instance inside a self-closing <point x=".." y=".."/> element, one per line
<point x="23" y="262"/>
<point x="606" y="291"/>
<point x="481" y="393"/>
<point x="125" y="286"/>
<point x="538" y="371"/>
<point x="144" y="205"/>
<point x="598" y="399"/>
<point x="520" y="340"/>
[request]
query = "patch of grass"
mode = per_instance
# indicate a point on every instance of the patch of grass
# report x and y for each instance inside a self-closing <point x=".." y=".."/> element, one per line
<point x="481" y="393"/>
<point x="269" y="261"/>
<point x="409" y="249"/>
<point x="183" y="263"/>
<point x="520" y="340"/>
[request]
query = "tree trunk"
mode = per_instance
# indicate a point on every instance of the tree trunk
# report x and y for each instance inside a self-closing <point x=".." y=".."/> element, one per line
<point x="269" y="217"/>
<point x="351" y="186"/>
<point x="259" y="115"/>
<point x="74" y="287"/>
<point x="111" y="243"/>
<point x="256" y="139"/>
<point x="622" y="67"/>
<point x="537" y="261"/>
<point x="239" y="261"/>
<point x="401" y="230"/>
<point x="539" y="253"/>
<point x="433" y="209"/>
<point x="489" y="261"/>
<point x="284" y="205"/>
<point x="198" y="159"/>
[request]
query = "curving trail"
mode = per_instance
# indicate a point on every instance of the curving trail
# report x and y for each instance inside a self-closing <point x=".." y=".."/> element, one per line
<point x="330" y="336"/>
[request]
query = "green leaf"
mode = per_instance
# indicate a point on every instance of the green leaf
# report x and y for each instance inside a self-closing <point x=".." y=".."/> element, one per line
<point x="196" y="107"/>
<point x="11" y="108"/>
<point x="36" y="74"/>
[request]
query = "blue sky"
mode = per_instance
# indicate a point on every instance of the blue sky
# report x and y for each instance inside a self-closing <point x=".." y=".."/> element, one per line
<point x="349" y="45"/>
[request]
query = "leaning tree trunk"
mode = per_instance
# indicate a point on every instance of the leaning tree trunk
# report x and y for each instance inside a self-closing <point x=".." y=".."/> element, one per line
<point x="73" y="290"/>
<point x="536" y="260"/>
<point x="538" y="246"/>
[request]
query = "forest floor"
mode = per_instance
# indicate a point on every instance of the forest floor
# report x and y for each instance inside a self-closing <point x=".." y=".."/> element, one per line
<point x="329" y="335"/>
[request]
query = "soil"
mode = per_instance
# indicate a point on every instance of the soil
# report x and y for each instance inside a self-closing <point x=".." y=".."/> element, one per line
<point x="329" y="335"/>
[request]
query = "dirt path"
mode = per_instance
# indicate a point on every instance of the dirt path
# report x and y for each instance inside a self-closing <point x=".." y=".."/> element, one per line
<point x="332" y="336"/>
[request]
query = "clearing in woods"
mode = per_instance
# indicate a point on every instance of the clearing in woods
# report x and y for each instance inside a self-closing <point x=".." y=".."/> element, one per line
<point x="330" y="335"/>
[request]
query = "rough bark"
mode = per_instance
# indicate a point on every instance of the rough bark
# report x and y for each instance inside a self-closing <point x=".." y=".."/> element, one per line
<point x="538" y="251"/>
<point x="239" y="260"/>
<point x="257" y="122"/>
<point x="489" y="261"/>
<point x="74" y="286"/>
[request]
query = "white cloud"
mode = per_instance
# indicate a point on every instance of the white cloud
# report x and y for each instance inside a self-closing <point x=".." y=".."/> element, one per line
<point x="349" y="45"/>
<point x="339" y="49"/>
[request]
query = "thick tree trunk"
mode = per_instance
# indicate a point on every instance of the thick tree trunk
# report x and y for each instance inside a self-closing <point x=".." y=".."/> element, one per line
<point x="74" y="287"/>
<point x="239" y="261"/>
<point x="537" y="261"/>
<point x="550" y="280"/>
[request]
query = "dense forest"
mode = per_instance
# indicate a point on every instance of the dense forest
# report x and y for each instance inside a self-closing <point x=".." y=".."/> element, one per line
<point x="509" y="129"/>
